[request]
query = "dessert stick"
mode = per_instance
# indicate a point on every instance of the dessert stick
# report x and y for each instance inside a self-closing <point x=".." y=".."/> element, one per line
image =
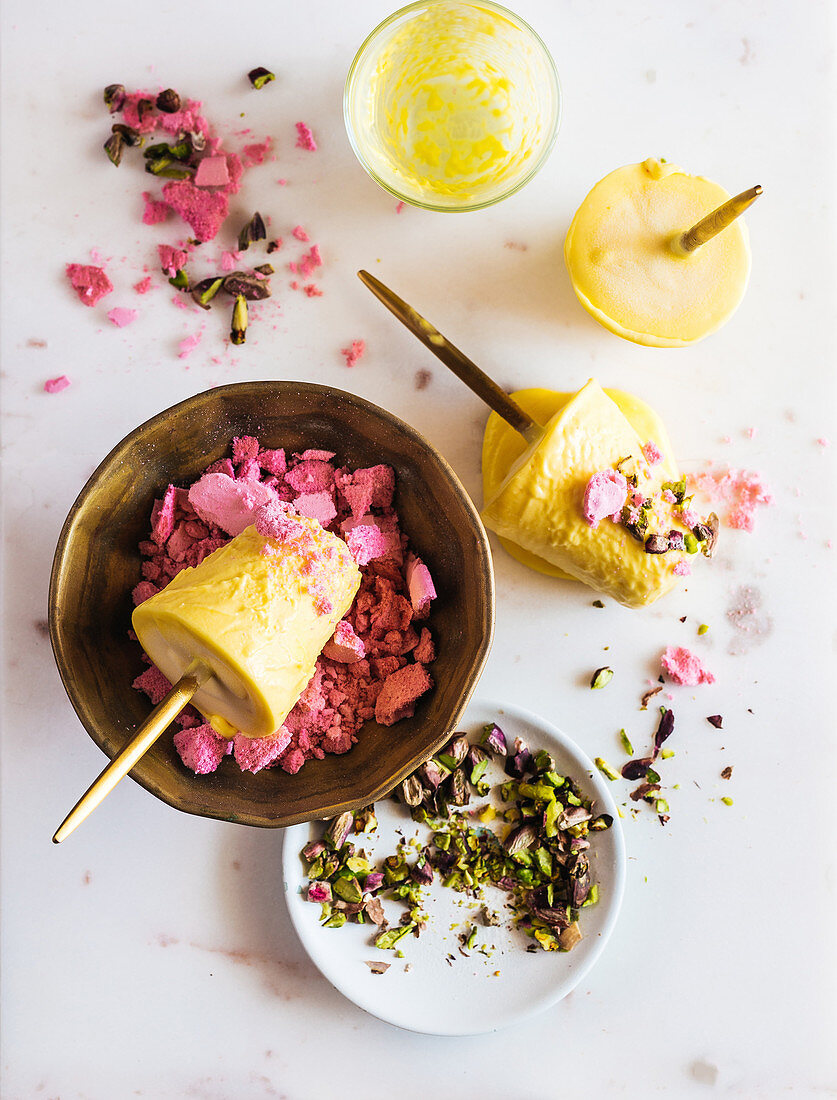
<point x="160" y="718"/>
<point x="715" y="222"/>
<point x="466" y="370"/>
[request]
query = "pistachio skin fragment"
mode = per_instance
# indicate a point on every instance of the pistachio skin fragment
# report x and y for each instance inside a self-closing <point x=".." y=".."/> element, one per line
<point x="259" y="77"/>
<point x="168" y="101"/>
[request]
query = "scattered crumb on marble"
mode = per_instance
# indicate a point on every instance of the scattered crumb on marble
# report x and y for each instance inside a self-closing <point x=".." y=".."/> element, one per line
<point x="703" y="1072"/>
<point x="750" y="621"/>
<point x="34" y="342"/>
<point x="422" y="379"/>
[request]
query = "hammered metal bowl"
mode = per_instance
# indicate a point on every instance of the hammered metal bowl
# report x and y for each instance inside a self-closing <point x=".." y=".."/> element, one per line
<point x="97" y="564"/>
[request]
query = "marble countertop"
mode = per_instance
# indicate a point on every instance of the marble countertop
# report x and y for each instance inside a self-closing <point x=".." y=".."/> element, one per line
<point x="151" y="954"/>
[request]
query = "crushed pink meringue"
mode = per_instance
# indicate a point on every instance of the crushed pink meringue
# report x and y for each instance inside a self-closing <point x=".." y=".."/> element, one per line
<point x="143" y="286"/>
<point x="89" y="282"/>
<point x="154" y="211"/>
<point x="120" y="316"/>
<point x="204" y="211"/>
<point x="604" y="496"/>
<point x="683" y="667"/>
<point x="304" y="138"/>
<point x="374" y="666"/>
<point x="652" y="453"/>
<point x="354" y="352"/>
<point x="212" y="172"/>
<point x="56" y="385"/>
<point x="741" y="490"/>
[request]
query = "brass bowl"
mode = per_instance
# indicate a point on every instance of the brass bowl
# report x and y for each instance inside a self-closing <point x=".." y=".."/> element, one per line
<point x="97" y="564"/>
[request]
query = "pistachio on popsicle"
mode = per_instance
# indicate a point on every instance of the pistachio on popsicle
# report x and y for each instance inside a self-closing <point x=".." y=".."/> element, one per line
<point x="593" y="500"/>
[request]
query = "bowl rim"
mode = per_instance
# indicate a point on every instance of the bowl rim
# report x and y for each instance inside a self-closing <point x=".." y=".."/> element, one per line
<point x="60" y="648"/>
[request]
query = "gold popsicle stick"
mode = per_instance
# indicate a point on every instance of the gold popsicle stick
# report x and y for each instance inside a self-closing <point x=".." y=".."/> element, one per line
<point x="714" y="223"/>
<point x="464" y="369"/>
<point x="196" y="674"/>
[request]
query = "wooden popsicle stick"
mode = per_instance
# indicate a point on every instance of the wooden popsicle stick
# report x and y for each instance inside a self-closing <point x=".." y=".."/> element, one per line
<point x="455" y="360"/>
<point x="158" y="720"/>
<point x="714" y="223"/>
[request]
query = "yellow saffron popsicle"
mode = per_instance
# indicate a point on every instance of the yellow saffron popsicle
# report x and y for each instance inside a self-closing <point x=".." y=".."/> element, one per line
<point x="626" y="270"/>
<point x="536" y="496"/>
<point x="258" y="611"/>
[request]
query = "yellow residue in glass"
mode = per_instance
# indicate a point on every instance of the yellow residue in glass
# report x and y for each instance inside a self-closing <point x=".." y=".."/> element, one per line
<point x="453" y="103"/>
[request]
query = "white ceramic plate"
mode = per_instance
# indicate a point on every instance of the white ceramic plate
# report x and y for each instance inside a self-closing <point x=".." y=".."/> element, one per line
<point x="426" y="990"/>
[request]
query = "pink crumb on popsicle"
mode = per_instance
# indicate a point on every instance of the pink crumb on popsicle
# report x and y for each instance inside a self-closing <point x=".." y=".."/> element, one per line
<point x="604" y="496"/>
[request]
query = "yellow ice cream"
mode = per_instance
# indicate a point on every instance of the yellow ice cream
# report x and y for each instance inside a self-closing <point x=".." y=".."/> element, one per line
<point x="627" y="274"/>
<point x="535" y="494"/>
<point x="452" y="104"/>
<point x="258" y="611"/>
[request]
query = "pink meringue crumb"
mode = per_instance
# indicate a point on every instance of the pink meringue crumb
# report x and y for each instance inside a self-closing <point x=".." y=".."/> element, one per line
<point x="172" y="259"/>
<point x="420" y="585"/>
<point x="366" y="542"/>
<point x="399" y="206"/>
<point x="254" y="753"/>
<point x="304" y="138"/>
<point x="188" y="345"/>
<point x="204" y="211"/>
<point x="212" y="172"/>
<point x="154" y="211"/>
<point x="683" y="667"/>
<point x="741" y="490"/>
<point x="143" y="286"/>
<point x="122" y="317"/>
<point x="823" y="442"/>
<point x="604" y="496"/>
<point x="229" y="261"/>
<point x="354" y="353"/>
<point x="344" y="647"/>
<point x="300" y="234"/>
<point x="200" y="748"/>
<point x="89" y="282"/>
<point x="682" y="569"/>
<point x="318" y="506"/>
<point x="653" y="454"/>
<point x="400" y="692"/>
<point x="312" y="290"/>
<point x="56" y="385"/>
<point x="227" y="503"/>
<point x="255" y="153"/>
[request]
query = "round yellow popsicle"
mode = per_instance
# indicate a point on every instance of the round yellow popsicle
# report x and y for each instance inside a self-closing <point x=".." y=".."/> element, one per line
<point x="258" y="612"/>
<point x="625" y="266"/>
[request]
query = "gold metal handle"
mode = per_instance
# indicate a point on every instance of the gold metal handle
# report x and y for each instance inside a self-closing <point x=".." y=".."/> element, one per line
<point x="455" y="360"/>
<point x="714" y="223"/>
<point x="158" y="720"/>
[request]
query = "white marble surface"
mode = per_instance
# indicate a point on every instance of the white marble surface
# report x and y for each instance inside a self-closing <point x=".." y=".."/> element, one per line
<point x="151" y="954"/>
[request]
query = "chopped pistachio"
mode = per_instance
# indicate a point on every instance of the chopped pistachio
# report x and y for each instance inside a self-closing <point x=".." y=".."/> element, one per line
<point x="597" y="603"/>
<point x="113" y="147"/>
<point x="626" y="742"/>
<point x="606" y="769"/>
<point x="259" y="77"/>
<point x="168" y="101"/>
<point x="128" y="134"/>
<point x="336" y="920"/>
<point x="180" y="279"/>
<point x="386" y="941"/>
<point x="204" y="291"/>
<point x="253" y="230"/>
<point x="666" y="754"/>
<point x="238" y="330"/>
<point x="703" y="628"/>
<point x="114" y="97"/>
<point x="727" y="772"/>
<point x="727" y="801"/>
<point x="601" y="677"/>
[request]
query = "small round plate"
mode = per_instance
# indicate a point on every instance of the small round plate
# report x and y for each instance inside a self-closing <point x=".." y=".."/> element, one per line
<point x="436" y="988"/>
